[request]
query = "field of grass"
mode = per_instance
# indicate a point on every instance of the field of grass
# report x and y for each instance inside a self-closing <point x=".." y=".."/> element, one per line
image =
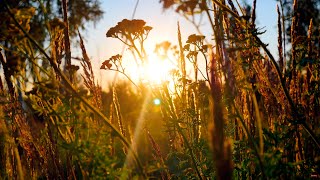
<point x="245" y="115"/>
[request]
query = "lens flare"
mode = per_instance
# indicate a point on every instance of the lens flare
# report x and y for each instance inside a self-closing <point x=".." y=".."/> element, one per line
<point x="157" y="101"/>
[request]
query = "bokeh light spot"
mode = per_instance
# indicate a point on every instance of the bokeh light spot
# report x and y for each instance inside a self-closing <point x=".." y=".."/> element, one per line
<point x="156" y="101"/>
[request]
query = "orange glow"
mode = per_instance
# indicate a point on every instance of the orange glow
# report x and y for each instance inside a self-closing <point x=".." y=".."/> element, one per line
<point x="154" y="72"/>
<point x="157" y="70"/>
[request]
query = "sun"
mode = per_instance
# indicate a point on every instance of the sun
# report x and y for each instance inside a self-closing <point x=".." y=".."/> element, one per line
<point x="155" y="71"/>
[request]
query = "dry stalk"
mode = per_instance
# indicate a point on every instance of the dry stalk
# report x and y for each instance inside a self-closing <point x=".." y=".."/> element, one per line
<point x="253" y="14"/>
<point x="67" y="38"/>
<point x="88" y="77"/>
<point x="116" y="106"/>
<point x="221" y="148"/>
<point x="310" y="66"/>
<point x="182" y="67"/>
<point x="158" y="155"/>
<point x="280" y="48"/>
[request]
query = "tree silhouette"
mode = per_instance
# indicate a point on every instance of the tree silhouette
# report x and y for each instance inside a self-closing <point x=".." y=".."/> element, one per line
<point x="43" y="20"/>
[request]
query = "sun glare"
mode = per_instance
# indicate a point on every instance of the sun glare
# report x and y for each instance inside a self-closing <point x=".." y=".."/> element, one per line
<point x="155" y="71"/>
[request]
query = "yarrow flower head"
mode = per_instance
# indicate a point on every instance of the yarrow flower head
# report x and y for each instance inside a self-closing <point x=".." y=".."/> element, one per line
<point x="129" y="29"/>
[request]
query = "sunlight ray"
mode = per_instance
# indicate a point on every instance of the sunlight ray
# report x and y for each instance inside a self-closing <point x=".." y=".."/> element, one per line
<point x="138" y="129"/>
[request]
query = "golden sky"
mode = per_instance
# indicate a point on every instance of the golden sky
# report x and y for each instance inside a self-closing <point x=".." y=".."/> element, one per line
<point x="164" y="25"/>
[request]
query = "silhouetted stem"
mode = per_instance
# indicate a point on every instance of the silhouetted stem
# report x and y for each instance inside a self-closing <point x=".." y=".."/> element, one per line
<point x="67" y="38"/>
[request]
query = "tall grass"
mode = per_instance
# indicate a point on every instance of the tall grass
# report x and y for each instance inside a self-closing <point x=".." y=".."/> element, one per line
<point x="246" y="115"/>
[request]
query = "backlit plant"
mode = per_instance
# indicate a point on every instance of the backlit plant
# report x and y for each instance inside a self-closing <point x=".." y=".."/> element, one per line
<point x="230" y="109"/>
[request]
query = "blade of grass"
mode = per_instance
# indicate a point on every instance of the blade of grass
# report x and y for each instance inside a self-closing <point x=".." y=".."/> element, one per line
<point x="256" y="108"/>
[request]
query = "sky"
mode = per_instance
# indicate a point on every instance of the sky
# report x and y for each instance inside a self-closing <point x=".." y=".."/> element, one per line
<point x="164" y="25"/>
